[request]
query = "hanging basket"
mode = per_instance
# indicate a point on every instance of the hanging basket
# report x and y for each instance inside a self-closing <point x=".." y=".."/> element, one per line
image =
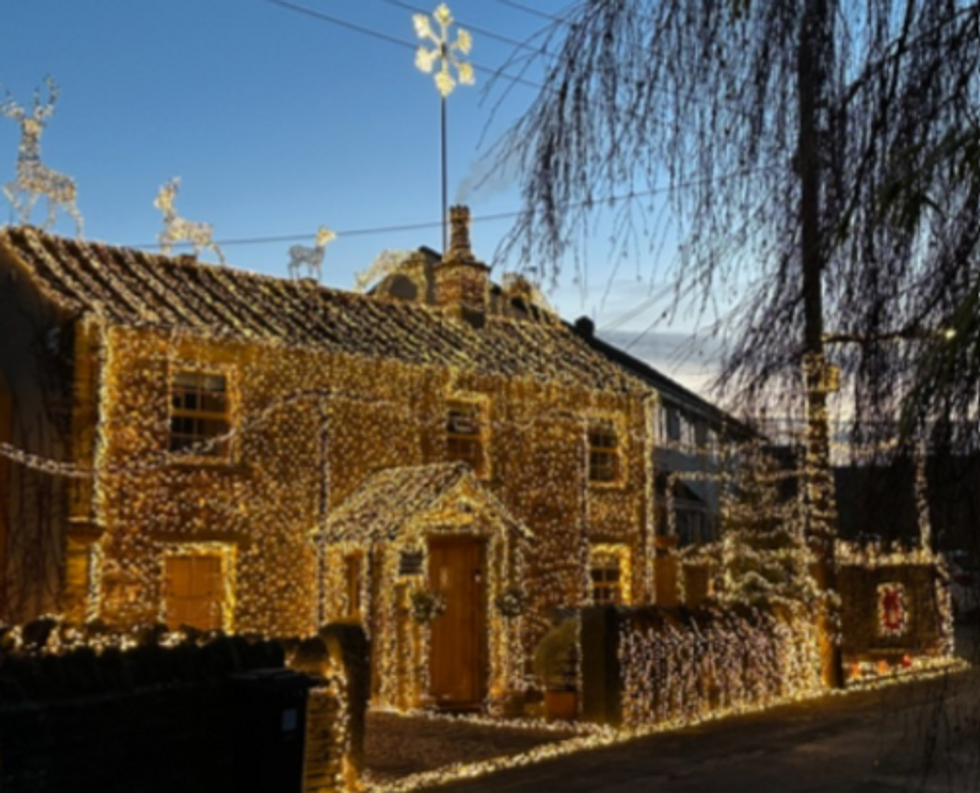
<point x="512" y="602"/>
<point x="425" y="606"/>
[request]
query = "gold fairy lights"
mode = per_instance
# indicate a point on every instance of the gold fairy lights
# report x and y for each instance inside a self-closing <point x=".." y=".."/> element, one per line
<point x="311" y="258"/>
<point x="177" y="229"/>
<point x="732" y="662"/>
<point x="261" y="501"/>
<point x="605" y="736"/>
<point x="34" y="178"/>
<point x="257" y="499"/>
<point x="392" y="515"/>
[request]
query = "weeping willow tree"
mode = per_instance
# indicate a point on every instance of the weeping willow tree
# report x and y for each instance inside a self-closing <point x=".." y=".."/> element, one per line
<point x="823" y="158"/>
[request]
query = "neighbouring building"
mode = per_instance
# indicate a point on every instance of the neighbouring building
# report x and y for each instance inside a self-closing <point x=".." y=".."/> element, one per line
<point x="696" y="448"/>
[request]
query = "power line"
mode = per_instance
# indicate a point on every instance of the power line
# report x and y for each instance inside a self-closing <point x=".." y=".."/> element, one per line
<point x="495" y="73"/>
<point x="641" y="308"/>
<point x="392" y="39"/>
<point x="342" y="23"/>
<point x="362" y="232"/>
<point x="422" y="225"/>
<point x="529" y="10"/>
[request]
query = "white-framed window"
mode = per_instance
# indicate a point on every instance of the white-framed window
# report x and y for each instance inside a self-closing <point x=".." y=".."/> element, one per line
<point x="605" y="452"/>
<point x="670" y="422"/>
<point x="609" y="574"/>
<point x="688" y="430"/>
<point x="200" y="413"/>
<point x="692" y="526"/>
<point x="714" y="448"/>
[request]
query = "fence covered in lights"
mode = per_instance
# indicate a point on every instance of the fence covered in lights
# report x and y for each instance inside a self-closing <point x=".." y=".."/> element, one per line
<point x="655" y="665"/>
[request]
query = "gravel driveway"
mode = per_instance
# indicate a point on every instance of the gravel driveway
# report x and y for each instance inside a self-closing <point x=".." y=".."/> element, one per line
<point x="399" y="745"/>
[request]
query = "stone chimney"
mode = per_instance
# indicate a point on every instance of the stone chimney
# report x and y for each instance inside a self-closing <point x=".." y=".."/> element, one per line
<point x="461" y="281"/>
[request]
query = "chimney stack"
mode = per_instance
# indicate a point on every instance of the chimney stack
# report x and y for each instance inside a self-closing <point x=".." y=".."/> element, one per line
<point x="461" y="281"/>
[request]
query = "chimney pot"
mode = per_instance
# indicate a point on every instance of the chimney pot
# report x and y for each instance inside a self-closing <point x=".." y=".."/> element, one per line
<point x="585" y="327"/>
<point x="460" y="249"/>
<point x="461" y="281"/>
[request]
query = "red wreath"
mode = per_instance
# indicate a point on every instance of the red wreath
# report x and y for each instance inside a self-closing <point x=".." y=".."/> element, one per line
<point x="892" y="611"/>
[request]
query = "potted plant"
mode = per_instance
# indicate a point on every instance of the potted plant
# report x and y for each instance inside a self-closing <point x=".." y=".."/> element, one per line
<point x="556" y="665"/>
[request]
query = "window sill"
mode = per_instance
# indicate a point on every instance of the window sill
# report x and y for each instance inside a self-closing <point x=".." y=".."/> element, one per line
<point x="619" y="484"/>
<point x="210" y="464"/>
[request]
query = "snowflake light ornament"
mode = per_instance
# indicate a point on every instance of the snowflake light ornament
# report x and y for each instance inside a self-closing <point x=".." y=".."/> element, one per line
<point x="444" y="52"/>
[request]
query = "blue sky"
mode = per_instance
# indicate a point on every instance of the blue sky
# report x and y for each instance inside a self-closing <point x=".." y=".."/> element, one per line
<point x="278" y="122"/>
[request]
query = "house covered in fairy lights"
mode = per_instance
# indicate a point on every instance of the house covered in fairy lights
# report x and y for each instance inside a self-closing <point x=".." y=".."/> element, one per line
<point x="192" y="444"/>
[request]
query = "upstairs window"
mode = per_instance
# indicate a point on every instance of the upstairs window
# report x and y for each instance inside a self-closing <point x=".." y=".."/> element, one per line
<point x="714" y="451"/>
<point x="670" y="423"/>
<point x="199" y="414"/>
<point x="466" y="434"/>
<point x="604" y="453"/>
<point x="691" y="526"/>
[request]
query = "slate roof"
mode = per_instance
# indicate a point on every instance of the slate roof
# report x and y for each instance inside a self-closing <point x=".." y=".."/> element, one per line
<point x="663" y="384"/>
<point x="384" y="505"/>
<point x="128" y="287"/>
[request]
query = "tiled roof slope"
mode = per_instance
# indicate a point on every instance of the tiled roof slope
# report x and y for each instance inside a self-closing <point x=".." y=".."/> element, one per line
<point x="123" y="286"/>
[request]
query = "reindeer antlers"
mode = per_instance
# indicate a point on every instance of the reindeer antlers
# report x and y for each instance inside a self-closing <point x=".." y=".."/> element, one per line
<point x="11" y="109"/>
<point x="46" y="110"/>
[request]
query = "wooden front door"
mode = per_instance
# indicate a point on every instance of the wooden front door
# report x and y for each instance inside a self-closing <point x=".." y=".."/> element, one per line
<point x="458" y="650"/>
<point x="194" y="591"/>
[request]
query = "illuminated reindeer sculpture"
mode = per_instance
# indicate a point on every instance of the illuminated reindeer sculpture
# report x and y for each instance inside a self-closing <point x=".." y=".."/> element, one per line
<point x="34" y="178"/>
<point x="177" y="229"/>
<point x="300" y="255"/>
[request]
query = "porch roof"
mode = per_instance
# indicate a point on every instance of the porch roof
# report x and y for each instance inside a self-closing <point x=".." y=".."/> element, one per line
<point x="391" y="502"/>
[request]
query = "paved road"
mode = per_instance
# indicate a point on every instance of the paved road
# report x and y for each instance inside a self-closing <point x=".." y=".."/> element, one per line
<point x="922" y="736"/>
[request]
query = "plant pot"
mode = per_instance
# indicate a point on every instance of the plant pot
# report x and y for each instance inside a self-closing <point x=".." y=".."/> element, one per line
<point x="665" y="542"/>
<point x="560" y="705"/>
<point x="511" y="705"/>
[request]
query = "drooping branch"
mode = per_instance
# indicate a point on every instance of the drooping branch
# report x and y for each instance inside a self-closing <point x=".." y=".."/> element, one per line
<point x="699" y="100"/>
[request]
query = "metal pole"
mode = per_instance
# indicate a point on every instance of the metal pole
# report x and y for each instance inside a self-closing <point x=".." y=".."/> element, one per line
<point x="445" y="211"/>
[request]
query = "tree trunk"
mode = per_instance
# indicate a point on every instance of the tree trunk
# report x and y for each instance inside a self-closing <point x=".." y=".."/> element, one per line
<point x="812" y="63"/>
